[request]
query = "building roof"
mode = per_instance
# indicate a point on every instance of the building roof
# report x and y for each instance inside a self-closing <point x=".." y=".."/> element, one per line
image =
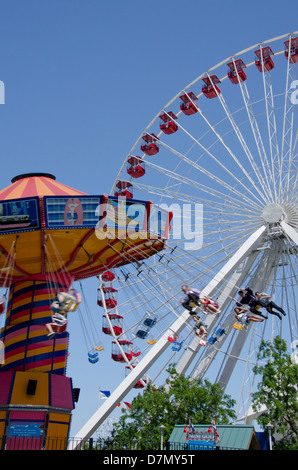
<point x="240" y="437"/>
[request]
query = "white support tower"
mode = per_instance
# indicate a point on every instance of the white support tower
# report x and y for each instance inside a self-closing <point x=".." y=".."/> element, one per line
<point x="242" y="259"/>
<point x="134" y="376"/>
<point x="235" y="156"/>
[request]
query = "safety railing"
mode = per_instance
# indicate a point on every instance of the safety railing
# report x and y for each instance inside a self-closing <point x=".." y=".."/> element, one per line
<point x="93" y="444"/>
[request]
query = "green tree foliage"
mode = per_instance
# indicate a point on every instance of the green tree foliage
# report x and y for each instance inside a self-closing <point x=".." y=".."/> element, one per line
<point x="277" y="391"/>
<point x="172" y="404"/>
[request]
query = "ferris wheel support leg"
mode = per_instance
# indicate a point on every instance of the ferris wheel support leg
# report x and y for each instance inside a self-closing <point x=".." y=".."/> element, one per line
<point x="290" y="231"/>
<point x="248" y="247"/>
<point x="261" y="281"/>
<point x="237" y="279"/>
<point x="134" y="376"/>
<point x="240" y="254"/>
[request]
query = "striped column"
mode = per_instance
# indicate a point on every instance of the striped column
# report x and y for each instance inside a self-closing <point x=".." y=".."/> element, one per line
<point x="36" y="398"/>
<point x="27" y="347"/>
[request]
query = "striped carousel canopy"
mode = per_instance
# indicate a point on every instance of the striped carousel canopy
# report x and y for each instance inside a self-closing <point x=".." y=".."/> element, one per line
<point x="47" y="228"/>
<point x="36" y="184"/>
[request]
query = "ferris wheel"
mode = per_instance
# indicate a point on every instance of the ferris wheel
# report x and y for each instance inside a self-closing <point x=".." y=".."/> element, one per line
<point x="221" y="157"/>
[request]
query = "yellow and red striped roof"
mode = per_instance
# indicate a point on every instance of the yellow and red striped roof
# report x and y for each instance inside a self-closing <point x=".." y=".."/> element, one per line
<point x="36" y="184"/>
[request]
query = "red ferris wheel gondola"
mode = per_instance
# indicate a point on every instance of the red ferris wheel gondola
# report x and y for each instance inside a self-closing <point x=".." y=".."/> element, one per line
<point x="116" y="353"/>
<point x="109" y="297"/>
<point x="187" y="104"/>
<point x="210" y="88"/>
<point x="108" y="276"/>
<point x="140" y="383"/>
<point x="293" y="46"/>
<point x="264" y="61"/>
<point x="135" y="167"/>
<point x="167" y="123"/>
<point x="150" y="147"/>
<point x="115" y="321"/>
<point x="236" y="72"/>
<point x="124" y="189"/>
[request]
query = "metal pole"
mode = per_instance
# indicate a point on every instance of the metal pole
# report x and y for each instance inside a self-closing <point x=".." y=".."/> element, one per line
<point x="269" y="427"/>
<point x="161" y="436"/>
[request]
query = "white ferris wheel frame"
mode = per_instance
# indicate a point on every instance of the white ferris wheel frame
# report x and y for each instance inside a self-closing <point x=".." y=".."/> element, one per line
<point x="240" y="262"/>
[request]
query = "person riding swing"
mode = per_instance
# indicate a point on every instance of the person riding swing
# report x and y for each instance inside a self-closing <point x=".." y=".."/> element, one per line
<point x="191" y="299"/>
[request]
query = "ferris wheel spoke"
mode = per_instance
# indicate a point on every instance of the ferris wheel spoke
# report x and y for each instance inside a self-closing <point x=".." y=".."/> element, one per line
<point x="288" y="117"/>
<point x="244" y="147"/>
<point x="151" y="289"/>
<point x="263" y="182"/>
<point x="288" y="299"/>
<point x="152" y="273"/>
<point x="290" y="193"/>
<point x="195" y="165"/>
<point x="258" y="140"/>
<point x="271" y="121"/>
<point x="195" y="184"/>
<point x="223" y="167"/>
<point x="185" y="198"/>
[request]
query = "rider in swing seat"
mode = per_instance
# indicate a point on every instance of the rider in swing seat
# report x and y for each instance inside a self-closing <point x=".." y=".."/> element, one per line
<point x="63" y="303"/>
<point x="192" y="296"/>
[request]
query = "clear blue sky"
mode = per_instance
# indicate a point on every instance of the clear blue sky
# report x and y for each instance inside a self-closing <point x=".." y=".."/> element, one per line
<point x="83" y="78"/>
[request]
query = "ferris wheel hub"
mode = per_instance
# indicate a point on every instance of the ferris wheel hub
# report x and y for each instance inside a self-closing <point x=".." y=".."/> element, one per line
<point x="273" y="213"/>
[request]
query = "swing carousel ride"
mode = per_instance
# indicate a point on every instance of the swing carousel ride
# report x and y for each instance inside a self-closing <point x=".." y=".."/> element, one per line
<point x="52" y="236"/>
<point x="206" y="198"/>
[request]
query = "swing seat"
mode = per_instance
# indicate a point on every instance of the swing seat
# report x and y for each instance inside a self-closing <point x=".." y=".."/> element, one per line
<point x="142" y="334"/>
<point x="172" y="340"/>
<point x="151" y="342"/>
<point x="93" y="357"/>
<point x="59" y="328"/>
<point x="150" y="322"/>
<point x="177" y="346"/>
<point x="135" y="353"/>
<point x="202" y="342"/>
<point x="201" y="335"/>
<point x="70" y="305"/>
<point x="99" y="348"/>
<point x="238" y="326"/>
<point x="212" y="340"/>
<point x="2" y="305"/>
<point x="93" y="361"/>
<point x="220" y="331"/>
<point x="139" y="384"/>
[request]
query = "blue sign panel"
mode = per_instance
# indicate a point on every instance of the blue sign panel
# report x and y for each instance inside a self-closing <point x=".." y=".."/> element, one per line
<point x="17" y="215"/>
<point x="25" y="429"/>
<point x="71" y="211"/>
<point x="102" y="212"/>
<point x="201" y="445"/>
<point x="126" y="214"/>
<point x="158" y="221"/>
